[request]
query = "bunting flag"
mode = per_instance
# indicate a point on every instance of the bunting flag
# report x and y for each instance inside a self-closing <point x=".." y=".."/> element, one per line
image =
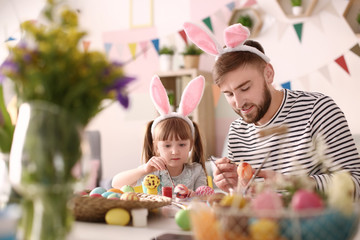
<point x="230" y="6"/>
<point x="155" y="42"/>
<point x="316" y="21"/>
<point x="183" y="36"/>
<point x="331" y="9"/>
<point x="207" y="22"/>
<point x="144" y="47"/>
<point x="249" y="3"/>
<point x="286" y="85"/>
<point x="298" y="29"/>
<point x="216" y="94"/>
<point x="86" y="45"/>
<point x="132" y="47"/>
<point x="342" y="63"/>
<point x="325" y="72"/>
<point x="10" y="39"/>
<point x="356" y="49"/>
<point x="108" y="47"/>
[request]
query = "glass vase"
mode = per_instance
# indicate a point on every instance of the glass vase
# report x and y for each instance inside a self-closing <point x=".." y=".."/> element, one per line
<point x="47" y="149"/>
<point x="5" y="187"/>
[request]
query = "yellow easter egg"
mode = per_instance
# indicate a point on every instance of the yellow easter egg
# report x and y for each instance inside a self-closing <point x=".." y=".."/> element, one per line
<point x="117" y="216"/>
<point x="264" y="229"/>
<point x="233" y="200"/>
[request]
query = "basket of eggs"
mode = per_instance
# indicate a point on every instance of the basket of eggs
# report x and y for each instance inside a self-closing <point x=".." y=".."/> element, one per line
<point x="298" y="212"/>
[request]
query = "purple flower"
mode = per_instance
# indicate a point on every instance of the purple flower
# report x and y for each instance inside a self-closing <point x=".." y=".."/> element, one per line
<point x="121" y="94"/>
<point x="8" y="66"/>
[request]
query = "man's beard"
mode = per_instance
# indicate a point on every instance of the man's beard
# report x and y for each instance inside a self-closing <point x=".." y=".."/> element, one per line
<point x="260" y="109"/>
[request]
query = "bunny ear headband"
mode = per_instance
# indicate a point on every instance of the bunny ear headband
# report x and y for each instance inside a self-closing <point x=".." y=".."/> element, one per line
<point x="234" y="37"/>
<point x="189" y="100"/>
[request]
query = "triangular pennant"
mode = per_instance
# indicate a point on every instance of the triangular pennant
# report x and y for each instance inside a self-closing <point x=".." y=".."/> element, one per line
<point x="207" y="22"/>
<point x="286" y="85"/>
<point x="155" y="43"/>
<point x="298" y="29"/>
<point x="86" y="45"/>
<point x="342" y="63"/>
<point x="282" y="26"/>
<point x="331" y="9"/>
<point x="216" y="94"/>
<point x="132" y="47"/>
<point x="143" y="47"/>
<point x="10" y="39"/>
<point x="219" y="14"/>
<point x="356" y="49"/>
<point x="316" y="21"/>
<point x="107" y="47"/>
<point x="249" y="3"/>
<point x="325" y="72"/>
<point x="183" y="36"/>
<point x="230" y="6"/>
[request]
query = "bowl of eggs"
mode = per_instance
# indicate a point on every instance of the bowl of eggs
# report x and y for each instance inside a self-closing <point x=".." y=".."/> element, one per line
<point x="300" y="214"/>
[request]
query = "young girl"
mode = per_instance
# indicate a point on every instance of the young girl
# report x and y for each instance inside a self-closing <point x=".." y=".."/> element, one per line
<point x="173" y="148"/>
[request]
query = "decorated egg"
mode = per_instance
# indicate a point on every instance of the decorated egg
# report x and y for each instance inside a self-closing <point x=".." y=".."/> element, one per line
<point x="304" y="199"/>
<point x="181" y="191"/>
<point x="106" y="194"/>
<point x="266" y="203"/>
<point x="151" y="182"/>
<point x="204" y="191"/>
<point x="96" y="195"/>
<point x="127" y="188"/>
<point x="97" y="190"/>
<point x="341" y="192"/>
<point x="113" y="196"/>
<point x="115" y="190"/>
<point x="233" y="200"/>
<point x="245" y="172"/>
<point x="182" y="219"/>
<point x="264" y="229"/>
<point x="129" y="196"/>
<point x="117" y="216"/>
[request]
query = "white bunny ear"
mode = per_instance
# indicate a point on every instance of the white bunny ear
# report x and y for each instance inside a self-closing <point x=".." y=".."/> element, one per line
<point x="236" y="35"/>
<point x="159" y="96"/>
<point x="204" y="39"/>
<point x="191" y="96"/>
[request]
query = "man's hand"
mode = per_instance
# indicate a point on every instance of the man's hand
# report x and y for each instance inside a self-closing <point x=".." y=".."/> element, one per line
<point x="225" y="175"/>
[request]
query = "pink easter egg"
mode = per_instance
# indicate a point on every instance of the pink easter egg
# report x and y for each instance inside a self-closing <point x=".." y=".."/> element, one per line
<point x="266" y="203"/>
<point x="181" y="191"/>
<point x="204" y="191"/>
<point x="305" y="199"/>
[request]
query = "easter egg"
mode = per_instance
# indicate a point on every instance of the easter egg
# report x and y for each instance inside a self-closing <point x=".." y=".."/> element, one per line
<point x="264" y="229"/>
<point x="127" y="188"/>
<point x="113" y="196"/>
<point x="106" y="194"/>
<point x="115" y="190"/>
<point x="233" y="200"/>
<point x="266" y="203"/>
<point x="204" y="191"/>
<point x="151" y="181"/>
<point x="129" y="196"/>
<point x="181" y="191"/>
<point x="117" y="216"/>
<point x="97" y="190"/>
<point x="304" y="199"/>
<point x="96" y="195"/>
<point x="215" y="198"/>
<point x="182" y="219"/>
<point x="244" y="171"/>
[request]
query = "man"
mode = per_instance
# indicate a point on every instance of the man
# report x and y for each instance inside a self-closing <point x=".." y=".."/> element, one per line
<point x="318" y="141"/>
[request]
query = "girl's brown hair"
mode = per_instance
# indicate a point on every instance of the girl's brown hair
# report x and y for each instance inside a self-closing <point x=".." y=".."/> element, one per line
<point x="174" y="128"/>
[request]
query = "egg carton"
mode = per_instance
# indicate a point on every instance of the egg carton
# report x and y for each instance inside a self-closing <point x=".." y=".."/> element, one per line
<point x="94" y="209"/>
<point x="229" y="224"/>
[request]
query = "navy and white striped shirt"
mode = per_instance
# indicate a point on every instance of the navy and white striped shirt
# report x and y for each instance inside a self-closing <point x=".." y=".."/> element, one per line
<point x="309" y="116"/>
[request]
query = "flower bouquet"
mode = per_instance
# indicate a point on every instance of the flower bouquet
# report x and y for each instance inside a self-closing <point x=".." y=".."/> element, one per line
<point x="60" y="89"/>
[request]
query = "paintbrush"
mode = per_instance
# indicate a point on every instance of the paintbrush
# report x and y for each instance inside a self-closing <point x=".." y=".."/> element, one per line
<point x="167" y="170"/>
<point x="213" y="160"/>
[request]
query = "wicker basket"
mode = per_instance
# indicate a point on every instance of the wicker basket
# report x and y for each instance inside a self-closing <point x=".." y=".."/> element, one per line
<point x="94" y="209"/>
<point x="230" y="224"/>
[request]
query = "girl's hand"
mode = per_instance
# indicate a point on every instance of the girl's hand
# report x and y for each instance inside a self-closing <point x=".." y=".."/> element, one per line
<point x="154" y="164"/>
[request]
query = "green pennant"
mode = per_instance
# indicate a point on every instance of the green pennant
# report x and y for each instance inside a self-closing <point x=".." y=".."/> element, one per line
<point x="298" y="28"/>
<point x="207" y="21"/>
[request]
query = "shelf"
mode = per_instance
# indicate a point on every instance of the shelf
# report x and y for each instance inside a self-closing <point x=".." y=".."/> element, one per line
<point x="253" y="14"/>
<point x="308" y="7"/>
<point x="204" y="114"/>
<point x="350" y="15"/>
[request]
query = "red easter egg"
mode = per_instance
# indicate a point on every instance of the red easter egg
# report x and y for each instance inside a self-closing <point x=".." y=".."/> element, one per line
<point x="181" y="191"/>
<point x="305" y="199"/>
<point x="244" y="171"/>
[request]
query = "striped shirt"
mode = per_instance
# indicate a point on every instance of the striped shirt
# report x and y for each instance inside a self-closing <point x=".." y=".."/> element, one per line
<point x="309" y="118"/>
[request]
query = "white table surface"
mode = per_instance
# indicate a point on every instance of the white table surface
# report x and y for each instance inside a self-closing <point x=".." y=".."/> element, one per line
<point x="158" y="223"/>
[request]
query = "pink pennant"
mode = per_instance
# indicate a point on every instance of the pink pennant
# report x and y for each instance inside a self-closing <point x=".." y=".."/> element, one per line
<point x="341" y="61"/>
<point x="143" y="47"/>
<point x="249" y="3"/>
